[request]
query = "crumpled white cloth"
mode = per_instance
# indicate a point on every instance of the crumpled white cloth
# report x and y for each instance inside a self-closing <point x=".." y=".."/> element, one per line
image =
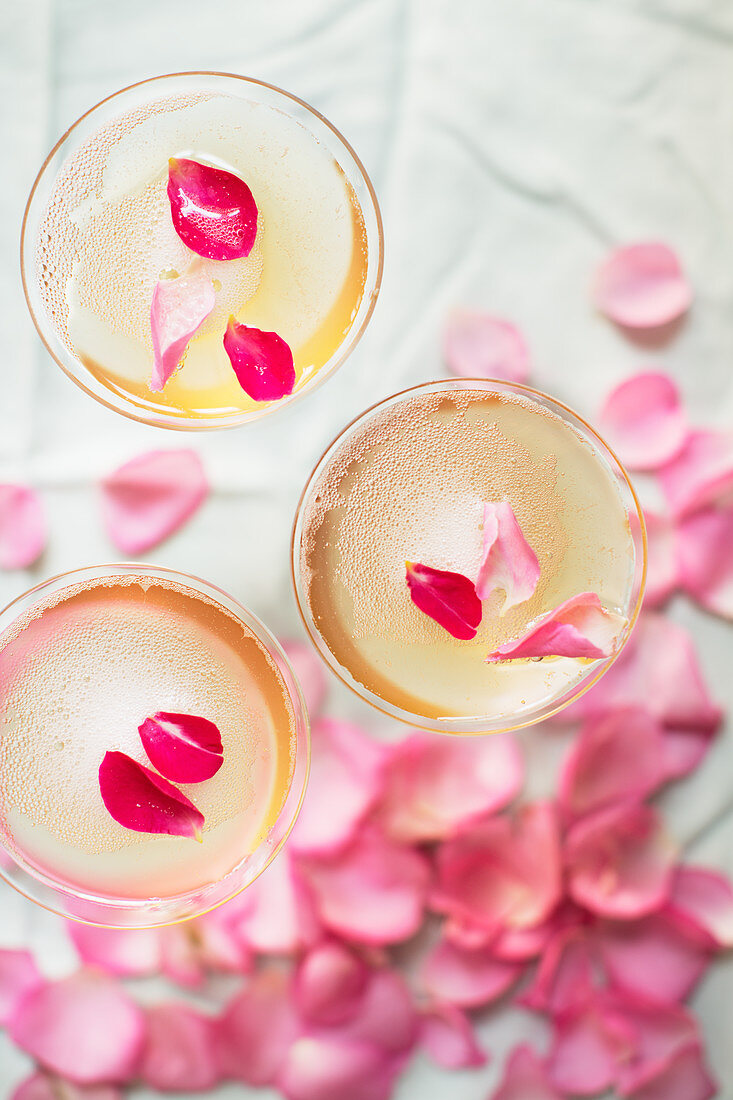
<point x="511" y="143"/>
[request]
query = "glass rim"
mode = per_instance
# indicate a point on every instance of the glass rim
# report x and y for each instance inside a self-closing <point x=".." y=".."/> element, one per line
<point x="472" y="725"/>
<point x="123" y="405"/>
<point x="101" y="906"/>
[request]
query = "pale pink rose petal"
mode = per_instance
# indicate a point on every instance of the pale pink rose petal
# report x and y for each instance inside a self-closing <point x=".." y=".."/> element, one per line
<point x="566" y="975"/>
<point x="373" y="892"/>
<point x="192" y="950"/>
<point x="644" y="421"/>
<point x="127" y="953"/>
<point x="504" y="873"/>
<point x="329" y="1067"/>
<point x="685" y="1077"/>
<point x="705" y="898"/>
<point x="661" y="563"/>
<point x="652" y="957"/>
<point x="386" y="1015"/>
<point x="448" y="598"/>
<point x="589" y="1043"/>
<point x="329" y="984"/>
<point x="18" y="975"/>
<point x="22" y="527"/>
<point x="84" y="1027"/>
<point x="448" y="1038"/>
<point x="660" y="1033"/>
<point x="179" y="1052"/>
<point x="579" y="627"/>
<point x="701" y="474"/>
<point x="525" y="1078"/>
<point x="705" y="559"/>
<point x="257" y="1029"/>
<point x="262" y="361"/>
<point x="619" y="861"/>
<point x="346" y="779"/>
<point x="42" y="1086"/>
<point x="642" y="286"/>
<point x="178" y="310"/>
<point x="148" y="498"/>
<point x="183" y="747"/>
<point x="508" y="562"/>
<point x="213" y="211"/>
<point x="277" y="914"/>
<point x="615" y="757"/>
<point x="140" y="800"/>
<point x="521" y="944"/>
<point x="477" y="345"/>
<point x="467" y="978"/>
<point x="438" y="785"/>
<point x="310" y="673"/>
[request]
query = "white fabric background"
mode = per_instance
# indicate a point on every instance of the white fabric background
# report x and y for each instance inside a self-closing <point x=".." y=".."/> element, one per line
<point x="511" y="142"/>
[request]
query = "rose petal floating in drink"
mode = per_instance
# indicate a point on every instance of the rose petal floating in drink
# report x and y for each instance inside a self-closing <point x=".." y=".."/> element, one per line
<point x="22" y="527"/>
<point x="477" y="345"/>
<point x="182" y="747"/>
<point x="525" y="1078"/>
<point x="644" y="421"/>
<point x="142" y="801"/>
<point x="704" y="542"/>
<point x="262" y="361"/>
<point x="508" y="561"/>
<point x="579" y="627"/>
<point x="448" y="598"/>
<point x="642" y="286"/>
<point x="178" y="310"/>
<point x="213" y="211"/>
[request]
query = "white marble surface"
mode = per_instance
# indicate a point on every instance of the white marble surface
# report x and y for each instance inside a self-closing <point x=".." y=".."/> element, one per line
<point x="511" y="142"/>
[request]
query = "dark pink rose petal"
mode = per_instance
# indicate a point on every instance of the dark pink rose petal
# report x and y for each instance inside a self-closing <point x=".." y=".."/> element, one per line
<point x="85" y="1028"/>
<point x="705" y="898"/>
<point x="447" y="1037"/>
<point x="616" y="757"/>
<point x="213" y="211"/>
<point x="179" y="1052"/>
<point x="508" y="562"/>
<point x="684" y="1077"/>
<point x="701" y="474"/>
<point x="644" y="421"/>
<point x="42" y="1086"/>
<point x="256" y="1030"/>
<point x="567" y="974"/>
<point x="619" y="861"/>
<point x="579" y="627"/>
<point x="178" y="310"/>
<point x="277" y="914"/>
<point x="437" y="785"/>
<point x="310" y="673"/>
<point x="329" y="1067"/>
<point x="18" y="975"/>
<point x="705" y="558"/>
<point x="262" y="361"/>
<point x="660" y="1033"/>
<point x="589" y="1043"/>
<point x="126" y="953"/>
<point x="642" y="286"/>
<point x="182" y="747"/>
<point x="22" y="527"/>
<point x="329" y="984"/>
<point x="448" y="598"/>
<point x="652" y="957"/>
<point x="662" y="574"/>
<point x="142" y="801"/>
<point x="477" y="345"/>
<point x="148" y="498"/>
<point x="467" y="978"/>
<point x="525" y="1078"/>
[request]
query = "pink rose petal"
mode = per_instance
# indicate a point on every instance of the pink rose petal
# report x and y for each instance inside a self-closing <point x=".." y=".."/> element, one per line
<point x="310" y="673"/>
<point x="256" y="1030"/>
<point x="579" y="627"/>
<point x="644" y="421"/>
<point x="141" y="800"/>
<point x="148" y="498"/>
<point x="589" y="1043"/>
<point x="508" y="562"/>
<point x="525" y="1078"/>
<point x="520" y="944"/>
<point x="642" y="286"/>
<point x="448" y="1038"/>
<point x="213" y="211"/>
<point x="448" y="598"/>
<point x="178" y="310"/>
<point x="705" y="557"/>
<point x="182" y="747"/>
<point x="41" y="1086"/>
<point x="661" y="563"/>
<point x="652" y="957"/>
<point x="660" y="1032"/>
<point x="438" y="785"/>
<point x="332" y="1068"/>
<point x="22" y="527"/>
<point x="386" y="1016"/>
<point x="701" y="474"/>
<point x="329" y="984"/>
<point x="179" y="1052"/>
<point x="276" y="914"/>
<point x="262" y="361"/>
<point x="705" y="898"/>
<point x="684" y="1077"/>
<point x="373" y="892"/>
<point x="477" y="345"/>
<point x="126" y="953"/>
<point x="619" y="861"/>
<point x="18" y="975"/>
<point x="567" y="973"/>
<point x="467" y="978"/>
<point x="192" y="950"/>
<point x="85" y="1028"/>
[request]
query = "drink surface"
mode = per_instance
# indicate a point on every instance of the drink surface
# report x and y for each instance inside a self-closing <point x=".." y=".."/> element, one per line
<point x="78" y="675"/>
<point x="409" y="484"/>
<point x="107" y="237"/>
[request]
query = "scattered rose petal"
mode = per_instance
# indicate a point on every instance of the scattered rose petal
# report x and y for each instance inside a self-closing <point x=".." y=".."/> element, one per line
<point x="652" y="957"/>
<point x="213" y="211"/>
<point x="661" y="561"/>
<point x="477" y="345"/>
<point x="85" y="1028"/>
<point x="182" y="747"/>
<point x="18" y="975"/>
<point x="567" y="973"/>
<point x="262" y="361"/>
<point x="179" y="1050"/>
<point x="705" y="557"/>
<point x="642" y="286"/>
<point x="125" y="952"/>
<point x="705" y="898"/>
<point x="437" y="785"/>
<point x="701" y="474"/>
<point x="619" y="861"/>
<point x="508" y="562"/>
<point x="329" y="984"/>
<point x="141" y="800"/>
<point x="519" y="944"/>
<point x="448" y="1038"/>
<point x="148" y="498"/>
<point x="42" y="1086"/>
<point x="22" y="527"/>
<point x="579" y="627"/>
<point x="468" y="978"/>
<point x="660" y="1033"/>
<point x="178" y="310"/>
<point x="589" y="1042"/>
<point x="276" y="914"/>
<point x="644" y="421"/>
<point x="448" y="598"/>
<point x="386" y="1015"/>
<point x="191" y="950"/>
<point x="525" y="1078"/>
<point x="332" y="1068"/>
<point x="256" y="1030"/>
<point x="310" y="673"/>
<point x="685" y="1077"/>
